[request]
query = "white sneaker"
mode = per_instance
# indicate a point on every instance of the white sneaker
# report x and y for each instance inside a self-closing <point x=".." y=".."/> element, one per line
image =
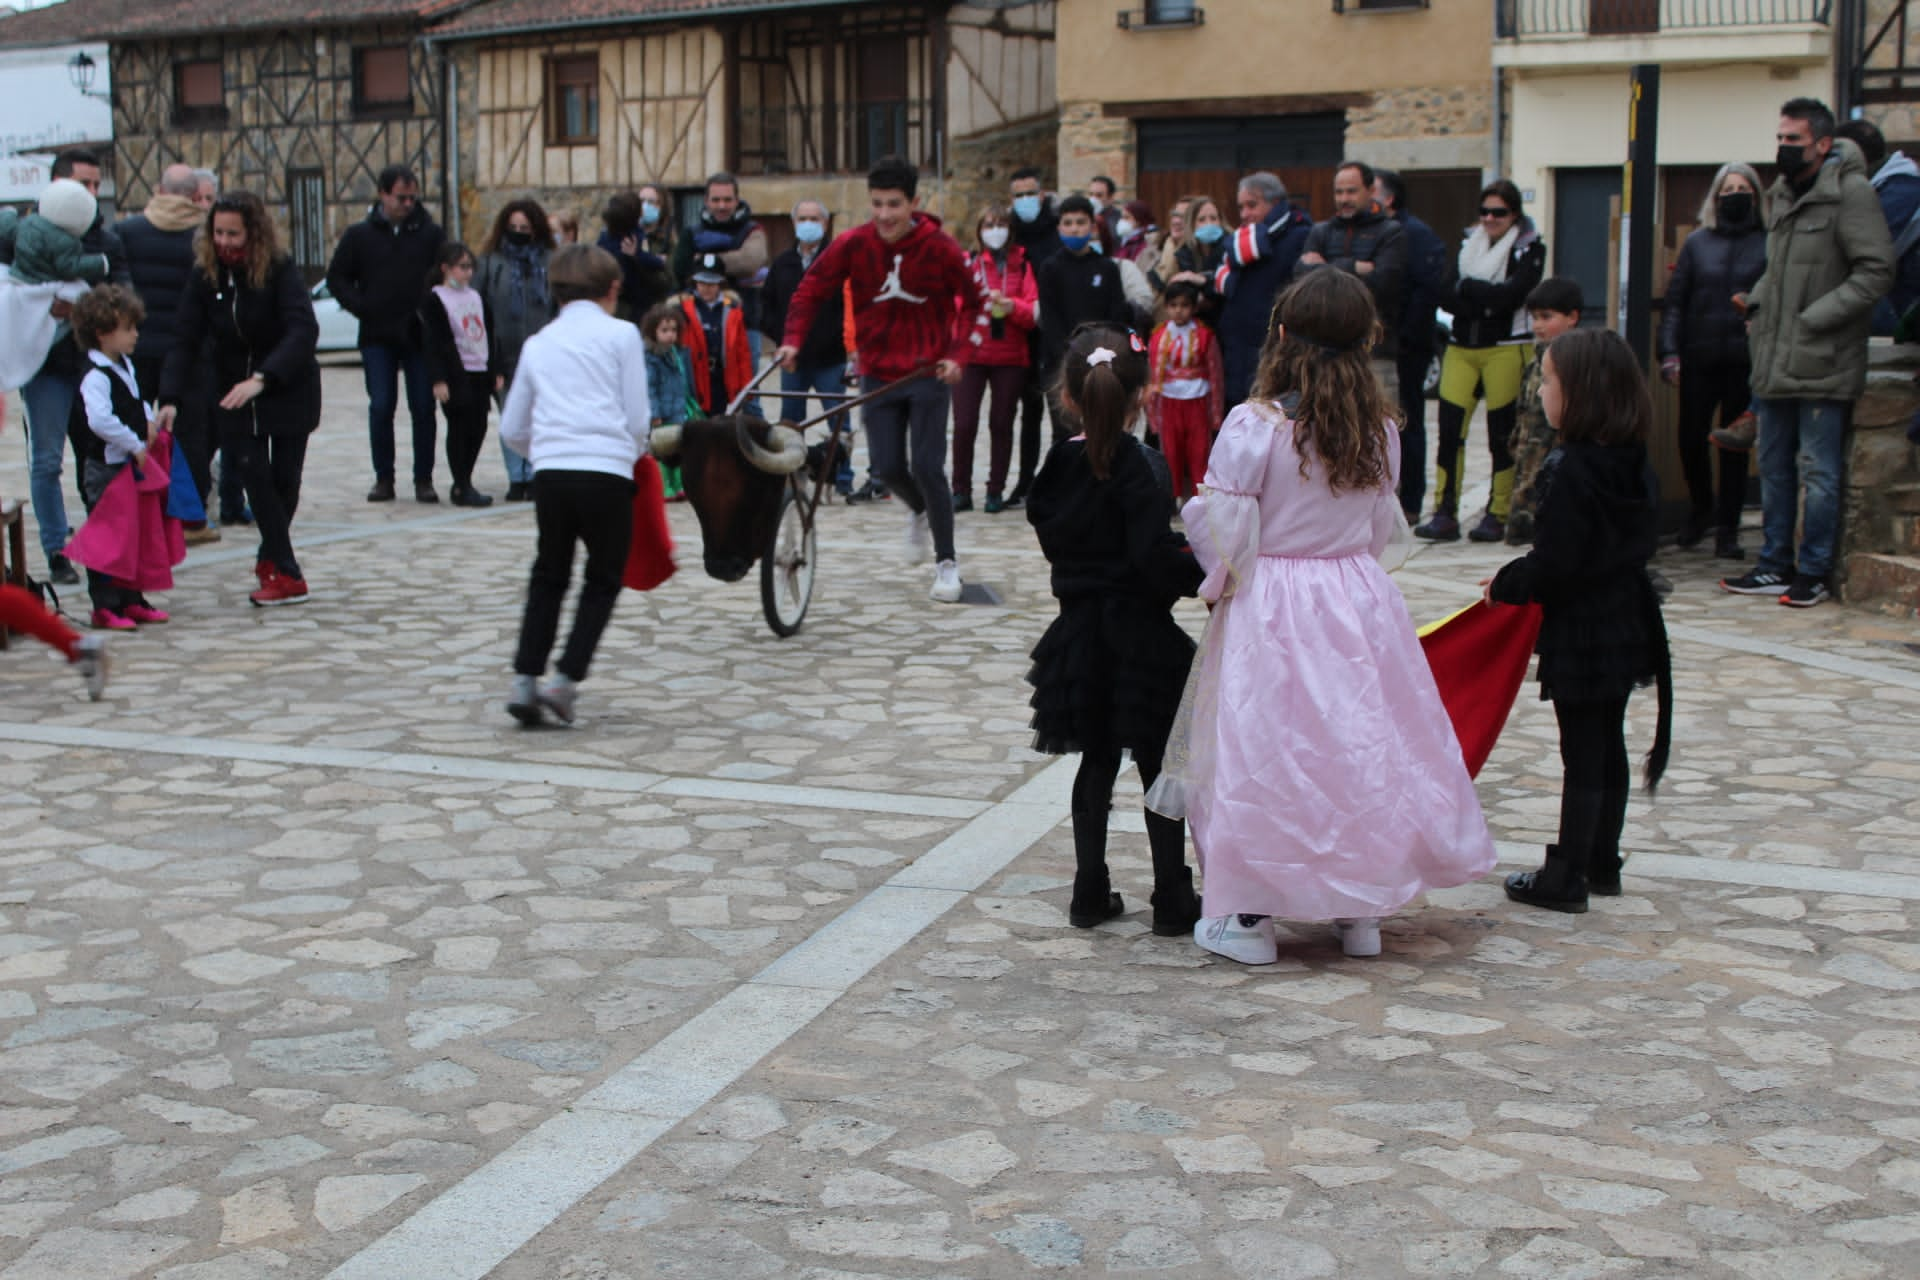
<point x="919" y="538"/>
<point x="92" y="663"/>
<point x="946" y="583"/>
<point x="1359" y="938"/>
<point x="557" y="696"/>
<point x="523" y="701"/>
<point x="1226" y="936"/>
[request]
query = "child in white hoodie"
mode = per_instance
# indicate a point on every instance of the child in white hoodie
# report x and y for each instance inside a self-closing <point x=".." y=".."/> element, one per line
<point x="578" y="411"/>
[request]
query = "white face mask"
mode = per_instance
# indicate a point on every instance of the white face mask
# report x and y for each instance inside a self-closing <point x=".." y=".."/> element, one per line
<point x="994" y="237"/>
<point x="1124" y="228"/>
<point x="1097" y="203"/>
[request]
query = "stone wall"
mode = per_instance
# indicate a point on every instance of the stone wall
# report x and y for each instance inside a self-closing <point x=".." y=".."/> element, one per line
<point x="979" y="168"/>
<point x="1092" y="144"/>
<point x="1432" y="127"/>
<point x="1880" y="531"/>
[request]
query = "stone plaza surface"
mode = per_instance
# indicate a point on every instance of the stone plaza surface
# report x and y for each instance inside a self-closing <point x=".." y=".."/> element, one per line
<point x="313" y="964"/>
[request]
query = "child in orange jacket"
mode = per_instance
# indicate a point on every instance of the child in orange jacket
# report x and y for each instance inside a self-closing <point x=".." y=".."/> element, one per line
<point x="715" y="336"/>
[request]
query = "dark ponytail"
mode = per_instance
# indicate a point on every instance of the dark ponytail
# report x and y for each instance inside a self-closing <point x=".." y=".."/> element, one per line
<point x="1105" y="371"/>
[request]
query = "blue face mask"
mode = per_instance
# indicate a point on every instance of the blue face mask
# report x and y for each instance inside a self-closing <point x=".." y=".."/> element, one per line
<point x="1026" y="208"/>
<point x="1210" y="233"/>
<point x="809" y="232"/>
<point x="1074" y="244"/>
<point x="649" y="212"/>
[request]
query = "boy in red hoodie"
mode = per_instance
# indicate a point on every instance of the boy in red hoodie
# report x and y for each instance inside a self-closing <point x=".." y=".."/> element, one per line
<point x="911" y="292"/>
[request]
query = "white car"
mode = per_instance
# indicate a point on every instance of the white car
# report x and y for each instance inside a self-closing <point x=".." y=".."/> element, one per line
<point x="339" y="329"/>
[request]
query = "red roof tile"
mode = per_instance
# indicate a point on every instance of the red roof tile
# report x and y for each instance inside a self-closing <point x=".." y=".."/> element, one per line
<point x="494" y="17"/>
<point x="75" y="21"/>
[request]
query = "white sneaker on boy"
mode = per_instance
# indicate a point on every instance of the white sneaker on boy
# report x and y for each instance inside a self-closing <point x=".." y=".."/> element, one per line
<point x="946" y="583"/>
<point x="919" y="548"/>
<point x="1359" y="938"/>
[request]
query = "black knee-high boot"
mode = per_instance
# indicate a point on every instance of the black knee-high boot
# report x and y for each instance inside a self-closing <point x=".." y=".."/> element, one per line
<point x="1094" y="900"/>
<point x="1176" y="907"/>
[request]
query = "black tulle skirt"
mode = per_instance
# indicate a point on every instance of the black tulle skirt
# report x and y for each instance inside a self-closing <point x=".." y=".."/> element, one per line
<point x="1108" y="675"/>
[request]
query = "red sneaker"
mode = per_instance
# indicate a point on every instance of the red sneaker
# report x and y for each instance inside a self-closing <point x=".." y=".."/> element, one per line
<point x="108" y="620"/>
<point x="279" y="589"/>
<point x="262" y="570"/>
<point x="145" y="613"/>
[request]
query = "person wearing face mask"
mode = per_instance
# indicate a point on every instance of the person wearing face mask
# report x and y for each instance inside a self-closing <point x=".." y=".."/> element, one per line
<point x="1703" y="349"/>
<point x="997" y="360"/>
<point x="1035" y="228"/>
<point x="512" y="277"/>
<point x="1080" y="285"/>
<point x="657" y="232"/>
<point x="248" y="313"/>
<point x="822" y="363"/>
<point x="1139" y="238"/>
<point x="1829" y="259"/>
<point x="1201" y="254"/>
<point x="645" y="277"/>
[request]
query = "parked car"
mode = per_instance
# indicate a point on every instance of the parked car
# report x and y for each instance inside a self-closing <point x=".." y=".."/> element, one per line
<point x="339" y="330"/>
<point x="1442" y="335"/>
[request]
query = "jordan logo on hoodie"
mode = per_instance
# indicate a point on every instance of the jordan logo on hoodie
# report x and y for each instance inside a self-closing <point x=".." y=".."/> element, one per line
<point x="890" y="290"/>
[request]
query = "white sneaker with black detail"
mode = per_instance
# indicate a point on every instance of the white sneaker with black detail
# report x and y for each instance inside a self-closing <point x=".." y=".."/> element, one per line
<point x="1359" y="938"/>
<point x="946" y="583"/>
<point x="1248" y="939"/>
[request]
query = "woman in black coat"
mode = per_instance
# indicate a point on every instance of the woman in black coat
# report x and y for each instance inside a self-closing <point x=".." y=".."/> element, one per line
<point x="247" y="305"/>
<point x="1703" y="347"/>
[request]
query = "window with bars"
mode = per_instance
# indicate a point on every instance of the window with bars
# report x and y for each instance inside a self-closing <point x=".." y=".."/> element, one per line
<point x="383" y="81"/>
<point x="573" y="100"/>
<point x="199" y="93"/>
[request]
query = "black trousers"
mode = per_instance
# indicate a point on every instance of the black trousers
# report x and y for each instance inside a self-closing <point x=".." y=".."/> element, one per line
<point x="270" y="470"/>
<point x="1413" y="365"/>
<point x="466" y="410"/>
<point x="590" y="507"/>
<point x="1092" y="800"/>
<point x="1704" y="390"/>
<point x="102" y="591"/>
<point x="1596" y="780"/>
<point x="192" y="432"/>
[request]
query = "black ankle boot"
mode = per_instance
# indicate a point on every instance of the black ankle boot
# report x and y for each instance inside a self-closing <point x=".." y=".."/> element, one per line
<point x="1094" y="901"/>
<point x="1176" y="907"/>
<point x="1558" y="885"/>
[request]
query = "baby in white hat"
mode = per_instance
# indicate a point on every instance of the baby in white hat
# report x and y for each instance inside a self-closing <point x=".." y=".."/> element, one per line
<point x="46" y="245"/>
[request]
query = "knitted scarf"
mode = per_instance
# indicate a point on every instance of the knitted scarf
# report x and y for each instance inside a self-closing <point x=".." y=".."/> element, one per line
<point x="1483" y="259"/>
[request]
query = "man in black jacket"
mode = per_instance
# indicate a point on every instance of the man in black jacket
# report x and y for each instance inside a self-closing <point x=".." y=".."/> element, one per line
<point x="1419" y="307"/>
<point x="50" y="395"/>
<point x="159" y="243"/>
<point x="381" y="272"/>
<point x="822" y="363"/>
<point x="1362" y="240"/>
<point x="1036" y="229"/>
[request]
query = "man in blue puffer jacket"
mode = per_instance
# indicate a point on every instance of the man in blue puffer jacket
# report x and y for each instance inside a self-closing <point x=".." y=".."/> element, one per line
<point x="1261" y="257"/>
<point x="1896" y="180"/>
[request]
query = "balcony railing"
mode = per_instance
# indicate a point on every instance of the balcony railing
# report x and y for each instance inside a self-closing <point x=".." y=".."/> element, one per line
<point x="1528" y="19"/>
<point x="845" y="138"/>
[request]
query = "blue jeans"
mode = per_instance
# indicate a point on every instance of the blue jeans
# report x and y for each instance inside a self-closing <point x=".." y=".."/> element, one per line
<point x="1802" y="442"/>
<point x="793" y="408"/>
<point x="384" y="363"/>
<point x="48" y="399"/>
<point x="519" y="468"/>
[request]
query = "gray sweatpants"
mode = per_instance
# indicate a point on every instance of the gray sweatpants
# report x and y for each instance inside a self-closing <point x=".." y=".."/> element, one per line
<point x="907" y="450"/>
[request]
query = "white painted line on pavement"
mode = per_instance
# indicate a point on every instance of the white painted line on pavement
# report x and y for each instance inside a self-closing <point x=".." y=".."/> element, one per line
<point x="473" y="1226"/>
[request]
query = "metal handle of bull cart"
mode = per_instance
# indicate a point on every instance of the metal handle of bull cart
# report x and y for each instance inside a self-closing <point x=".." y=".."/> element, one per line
<point x="854" y="402"/>
<point x="740" y="398"/>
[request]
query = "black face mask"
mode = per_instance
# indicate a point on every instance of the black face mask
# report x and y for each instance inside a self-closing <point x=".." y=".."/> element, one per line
<point x="1791" y="159"/>
<point x="1736" y="208"/>
<point x="520" y="239"/>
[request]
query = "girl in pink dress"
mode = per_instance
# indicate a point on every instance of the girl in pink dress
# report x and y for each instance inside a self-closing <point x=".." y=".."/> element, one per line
<point x="1324" y="778"/>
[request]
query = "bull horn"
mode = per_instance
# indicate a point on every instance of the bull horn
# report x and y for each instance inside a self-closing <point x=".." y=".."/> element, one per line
<point x="788" y="454"/>
<point x="665" y="441"/>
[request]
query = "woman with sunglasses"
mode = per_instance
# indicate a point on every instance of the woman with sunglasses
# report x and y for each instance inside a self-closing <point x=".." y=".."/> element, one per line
<point x="1501" y="261"/>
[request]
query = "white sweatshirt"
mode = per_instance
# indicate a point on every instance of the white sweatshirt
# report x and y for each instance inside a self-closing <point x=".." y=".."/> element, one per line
<point x="579" y="395"/>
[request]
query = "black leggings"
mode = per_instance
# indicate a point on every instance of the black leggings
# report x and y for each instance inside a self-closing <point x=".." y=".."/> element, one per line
<point x="270" y="468"/>
<point x="1452" y="452"/>
<point x="1705" y="388"/>
<point x="1596" y="780"/>
<point x="1092" y="799"/>
<point x="466" y="411"/>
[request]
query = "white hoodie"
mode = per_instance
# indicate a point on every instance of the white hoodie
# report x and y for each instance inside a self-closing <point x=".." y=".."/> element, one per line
<point x="579" y="396"/>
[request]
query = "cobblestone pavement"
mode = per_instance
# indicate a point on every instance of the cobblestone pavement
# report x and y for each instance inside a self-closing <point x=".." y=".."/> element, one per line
<point x="312" y="964"/>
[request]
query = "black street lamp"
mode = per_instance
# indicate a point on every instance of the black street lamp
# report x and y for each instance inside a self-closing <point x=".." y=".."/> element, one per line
<point x="80" y="70"/>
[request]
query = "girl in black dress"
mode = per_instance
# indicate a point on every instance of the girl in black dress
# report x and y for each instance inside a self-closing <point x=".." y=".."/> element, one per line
<point x="1109" y="672"/>
<point x="1601" y="631"/>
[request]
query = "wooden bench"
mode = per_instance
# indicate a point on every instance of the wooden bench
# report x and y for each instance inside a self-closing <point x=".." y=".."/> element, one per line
<point x="13" y="553"/>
